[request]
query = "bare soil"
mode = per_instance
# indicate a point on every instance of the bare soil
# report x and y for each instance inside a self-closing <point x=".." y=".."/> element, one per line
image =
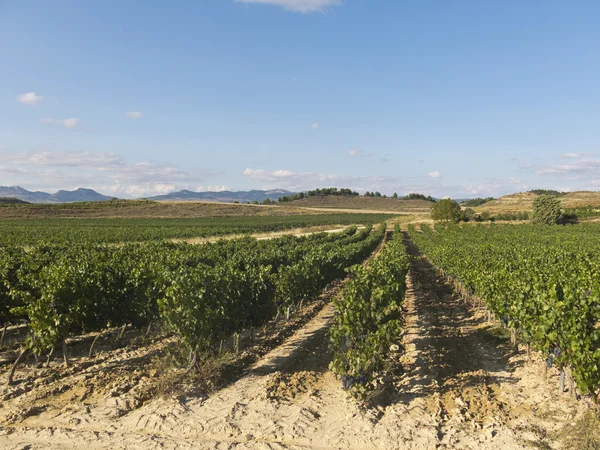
<point x="456" y="384"/>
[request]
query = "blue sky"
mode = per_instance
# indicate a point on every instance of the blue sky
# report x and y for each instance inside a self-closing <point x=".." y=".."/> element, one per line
<point x="461" y="98"/>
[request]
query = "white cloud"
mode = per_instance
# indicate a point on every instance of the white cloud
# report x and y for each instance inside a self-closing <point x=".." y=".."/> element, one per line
<point x="302" y="6"/>
<point x="2" y="147"/>
<point x="581" y="167"/>
<point x="574" y="155"/>
<point x="66" y="123"/>
<point x="211" y="188"/>
<point x="354" y="152"/>
<point x="106" y="172"/>
<point x="315" y="125"/>
<point x="134" y="115"/>
<point x="434" y="174"/>
<point x="30" y="98"/>
<point x="288" y="179"/>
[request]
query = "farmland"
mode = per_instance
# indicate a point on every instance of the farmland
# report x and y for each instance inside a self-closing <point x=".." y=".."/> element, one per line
<point x="116" y="336"/>
<point x="66" y="231"/>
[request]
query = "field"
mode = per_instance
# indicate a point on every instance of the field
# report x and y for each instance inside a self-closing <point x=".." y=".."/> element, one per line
<point x="116" y="334"/>
<point x="66" y="231"/>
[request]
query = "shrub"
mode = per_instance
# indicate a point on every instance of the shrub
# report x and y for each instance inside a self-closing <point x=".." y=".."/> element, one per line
<point x="546" y="210"/>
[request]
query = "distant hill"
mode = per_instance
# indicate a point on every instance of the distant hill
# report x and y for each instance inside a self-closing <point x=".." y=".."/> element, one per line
<point x="364" y="204"/>
<point x="78" y="195"/>
<point x="224" y="196"/>
<point x="12" y="201"/>
<point x="523" y="201"/>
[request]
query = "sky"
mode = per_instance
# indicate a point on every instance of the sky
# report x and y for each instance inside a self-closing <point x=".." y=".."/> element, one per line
<point x="447" y="98"/>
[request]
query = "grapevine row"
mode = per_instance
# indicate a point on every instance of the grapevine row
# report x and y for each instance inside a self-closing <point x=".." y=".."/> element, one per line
<point x="543" y="281"/>
<point x="369" y="317"/>
<point x="202" y="293"/>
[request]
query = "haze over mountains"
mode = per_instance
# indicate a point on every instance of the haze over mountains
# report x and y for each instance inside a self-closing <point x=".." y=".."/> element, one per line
<point x="224" y="196"/>
<point x="89" y="195"/>
<point x="62" y="196"/>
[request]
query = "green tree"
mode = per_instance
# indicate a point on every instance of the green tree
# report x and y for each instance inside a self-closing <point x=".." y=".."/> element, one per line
<point x="446" y="210"/>
<point x="469" y="215"/>
<point x="546" y="210"/>
<point x="395" y="195"/>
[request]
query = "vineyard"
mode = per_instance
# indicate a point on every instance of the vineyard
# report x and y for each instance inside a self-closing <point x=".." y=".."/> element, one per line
<point x="202" y="293"/>
<point x="543" y="282"/>
<point x="297" y="342"/>
<point x="69" y="231"/>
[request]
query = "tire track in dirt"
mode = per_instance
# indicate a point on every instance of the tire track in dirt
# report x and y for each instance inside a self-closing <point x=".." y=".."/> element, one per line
<point x="461" y="371"/>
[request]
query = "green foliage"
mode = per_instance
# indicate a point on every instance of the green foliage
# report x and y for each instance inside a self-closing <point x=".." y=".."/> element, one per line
<point x="546" y="210"/>
<point x="476" y="201"/>
<point x="33" y="232"/>
<point x="544" y="280"/>
<point x="446" y="210"/>
<point x="201" y="292"/>
<point x="549" y="192"/>
<point x="581" y="212"/>
<point x="414" y="196"/>
<point x="343" y="192"/>
<point x="369" y="317"/>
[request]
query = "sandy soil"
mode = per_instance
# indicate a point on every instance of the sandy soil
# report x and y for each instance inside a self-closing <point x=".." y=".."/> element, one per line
<point x="456" y="384"/>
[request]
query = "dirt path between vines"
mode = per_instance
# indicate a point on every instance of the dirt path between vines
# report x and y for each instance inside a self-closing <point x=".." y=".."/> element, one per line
<point x="460" y="386"/>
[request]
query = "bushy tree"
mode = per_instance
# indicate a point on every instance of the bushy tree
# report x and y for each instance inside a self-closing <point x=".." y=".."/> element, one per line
<point x="546" y="210"/>
<point x="446" y="210"/>
<point x="469" y="215"/>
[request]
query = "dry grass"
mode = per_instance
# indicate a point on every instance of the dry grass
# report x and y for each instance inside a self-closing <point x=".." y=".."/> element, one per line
<point x="523" y="201"/>
<point x="584" y="433"/>
<point x="364" y="204"/>
<point x="270" y="235"/>
<point x="190" y="209"/>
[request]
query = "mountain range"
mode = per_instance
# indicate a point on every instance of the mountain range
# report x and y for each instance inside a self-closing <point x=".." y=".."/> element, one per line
<point x="78" y="195"/>
<point x="224" y="196"/>
<point x="89" y="195"/>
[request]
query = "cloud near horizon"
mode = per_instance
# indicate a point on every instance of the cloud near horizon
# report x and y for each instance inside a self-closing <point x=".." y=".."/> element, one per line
<point x="301" y="181"/>
<point x="301" y="6"/>
<point x="105" y="172"/>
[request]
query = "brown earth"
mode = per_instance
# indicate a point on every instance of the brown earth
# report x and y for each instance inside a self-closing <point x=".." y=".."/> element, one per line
<point x="183" y="209"/>
<point x="455" y="383"/>
<point x="141" y="209"/>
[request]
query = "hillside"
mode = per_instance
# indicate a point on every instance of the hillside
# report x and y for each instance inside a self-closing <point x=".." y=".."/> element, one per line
<point x="364" y="203"/>
<point x="12" y="201"/>
<point x="147" y="209"/>
<point x="523" y="201"/>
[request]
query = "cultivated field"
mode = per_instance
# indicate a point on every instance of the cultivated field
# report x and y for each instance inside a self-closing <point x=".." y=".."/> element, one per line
<point x="361" y="338"/>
